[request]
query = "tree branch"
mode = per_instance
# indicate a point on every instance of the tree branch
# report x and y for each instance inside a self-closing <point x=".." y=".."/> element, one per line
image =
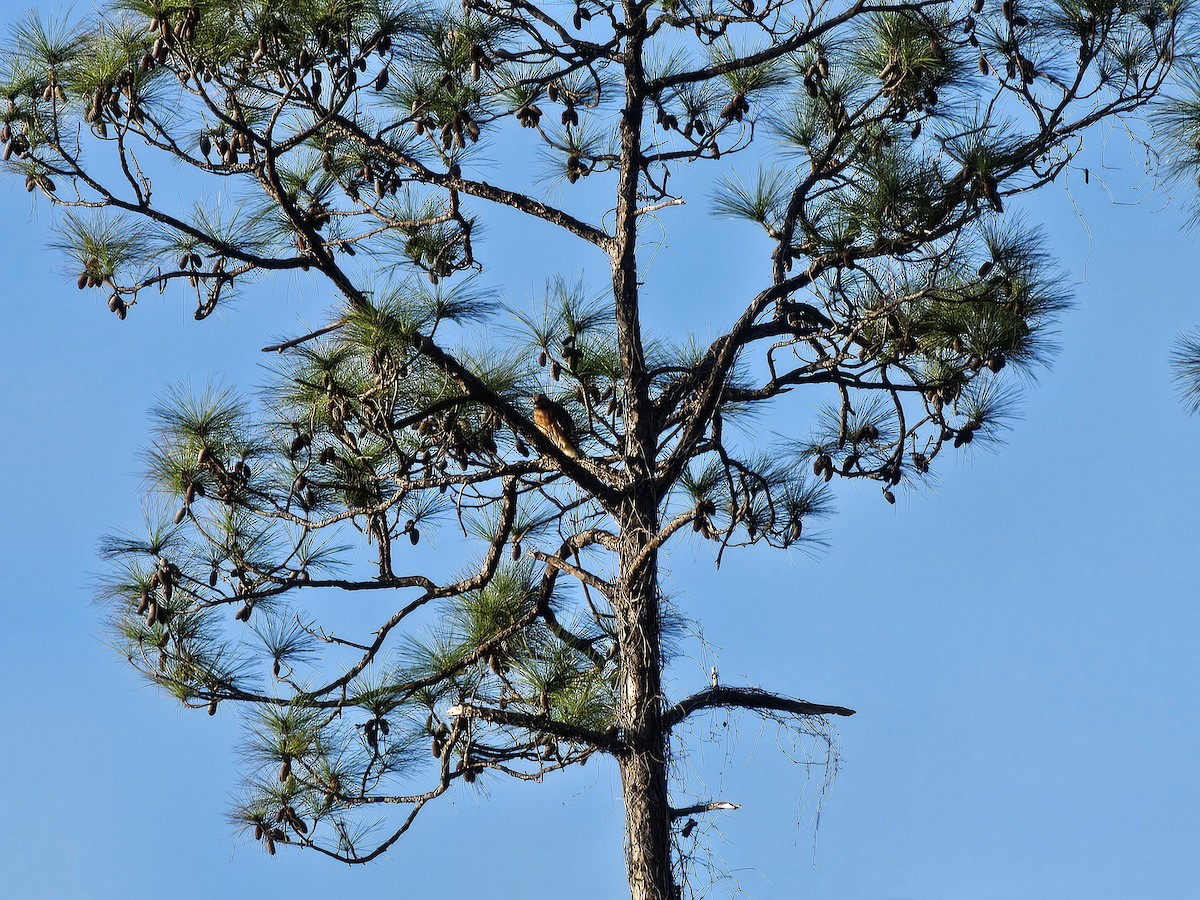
<point x="753" y="699"/>
<point x="710" y="806"/>
<point x="573" y="733"/>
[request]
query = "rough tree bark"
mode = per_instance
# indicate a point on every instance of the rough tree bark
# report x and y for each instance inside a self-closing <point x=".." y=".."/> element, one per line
<point x="640" y="714"/>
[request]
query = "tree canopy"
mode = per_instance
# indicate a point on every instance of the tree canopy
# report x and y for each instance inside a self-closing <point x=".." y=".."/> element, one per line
<point x="201" y="147"/>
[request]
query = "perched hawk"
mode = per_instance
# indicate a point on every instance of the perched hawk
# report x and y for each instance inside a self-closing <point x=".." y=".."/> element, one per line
<point x="554" y="422"/>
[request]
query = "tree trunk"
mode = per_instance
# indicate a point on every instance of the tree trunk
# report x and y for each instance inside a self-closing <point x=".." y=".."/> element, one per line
<point x="640" y="700"/>
<point x="640" y="713"/>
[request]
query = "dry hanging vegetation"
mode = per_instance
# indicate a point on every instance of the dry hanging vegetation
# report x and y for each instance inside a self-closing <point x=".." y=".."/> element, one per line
<point x="342" y="133"/>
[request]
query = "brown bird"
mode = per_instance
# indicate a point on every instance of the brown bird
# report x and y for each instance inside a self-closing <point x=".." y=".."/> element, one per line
<point x="554" y="422"/>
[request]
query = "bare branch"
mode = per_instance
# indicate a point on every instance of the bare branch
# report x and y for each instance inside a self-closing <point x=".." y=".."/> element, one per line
<point x="747" y="698"/>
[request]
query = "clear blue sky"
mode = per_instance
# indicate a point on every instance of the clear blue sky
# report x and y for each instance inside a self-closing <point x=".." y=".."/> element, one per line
<point x="1020" y="643"/>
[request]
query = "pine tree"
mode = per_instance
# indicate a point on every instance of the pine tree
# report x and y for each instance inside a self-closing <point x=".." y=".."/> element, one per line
<point x="1176" y="122"/>
<point x="878" y="147"/>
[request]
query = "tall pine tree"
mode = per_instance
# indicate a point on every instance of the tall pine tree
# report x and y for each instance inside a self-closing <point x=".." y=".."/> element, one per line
<point x="876" y="144"/>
